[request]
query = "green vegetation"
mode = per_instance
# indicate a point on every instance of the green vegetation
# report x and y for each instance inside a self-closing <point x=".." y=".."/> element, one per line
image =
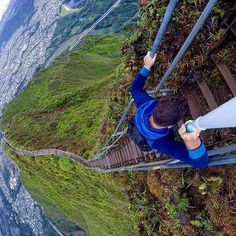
<point x="75" y="21"/>
<point x="64" y="107"/>
<point x="93" y="201"/>
<point x="169" y="202"/>
<point x="176" y="207"/>
<point x="68" y="101"/>
<point x="202" y="223"/>
<point x="120" y="17"/>
<point x="55" y="213"/>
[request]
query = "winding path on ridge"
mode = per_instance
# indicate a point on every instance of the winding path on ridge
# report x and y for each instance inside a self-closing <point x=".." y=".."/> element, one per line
<point x="140" y="165"/>
<point x="43" y="152"/>
<point x="72" y="42"/>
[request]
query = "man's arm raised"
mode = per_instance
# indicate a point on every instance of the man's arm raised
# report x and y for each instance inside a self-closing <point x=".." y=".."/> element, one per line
<point x="139" y="95"/>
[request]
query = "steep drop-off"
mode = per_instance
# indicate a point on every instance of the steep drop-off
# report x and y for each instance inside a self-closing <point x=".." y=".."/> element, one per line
<point x="65" y="106"/>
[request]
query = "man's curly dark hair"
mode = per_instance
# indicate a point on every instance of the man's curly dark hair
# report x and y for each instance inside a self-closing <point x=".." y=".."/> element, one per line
<point x="170" y="109"/>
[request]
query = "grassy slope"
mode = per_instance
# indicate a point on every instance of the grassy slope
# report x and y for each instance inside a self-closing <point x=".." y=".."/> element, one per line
<point x="95" y="202"/>
<point x="68" y="101"/>
<point x="63" y="107"/>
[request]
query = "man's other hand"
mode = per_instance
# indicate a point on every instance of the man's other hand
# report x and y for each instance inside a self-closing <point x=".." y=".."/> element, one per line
<point x="191" y="140"/>
<point x="149" y="61"/>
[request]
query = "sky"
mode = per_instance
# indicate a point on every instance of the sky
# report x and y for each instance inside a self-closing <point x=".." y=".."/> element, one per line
<point x="3" y="7"/>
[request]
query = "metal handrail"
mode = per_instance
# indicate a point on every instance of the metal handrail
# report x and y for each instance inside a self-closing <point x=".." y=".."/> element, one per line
<point x="169" y="12"/>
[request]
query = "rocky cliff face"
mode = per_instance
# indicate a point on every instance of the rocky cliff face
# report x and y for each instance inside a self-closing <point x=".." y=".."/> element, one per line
<point x="22" y="55"/>
<point x="20" y="214"/>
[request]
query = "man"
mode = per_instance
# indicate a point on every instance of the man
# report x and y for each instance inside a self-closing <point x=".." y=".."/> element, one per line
<point x="156" y="121"/>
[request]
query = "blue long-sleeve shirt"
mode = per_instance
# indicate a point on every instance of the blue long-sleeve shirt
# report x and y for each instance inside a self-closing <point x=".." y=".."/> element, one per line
<point x="162" y="140"/>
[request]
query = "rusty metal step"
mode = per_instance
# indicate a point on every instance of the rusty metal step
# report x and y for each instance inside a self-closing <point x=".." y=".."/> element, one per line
<point x="206" y="92"/>
<point x="125" y="154"/>
<point x="226" y="73"/>
<point x="120" y="153"/>
<point x="108" y="162"/>
<point x="133" y="152"/>
<point x="140" y="154"/>
<point x="128" y="153"/>
<point x="117" y="158"/>
<point x="228" y="77"/>
<point x="113" y="161"/>
<point x="194" y="105"/>
<point x="132" y="157"/>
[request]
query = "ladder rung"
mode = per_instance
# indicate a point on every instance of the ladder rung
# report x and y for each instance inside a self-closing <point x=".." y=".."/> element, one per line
<point x="228" y="77"/>
<point x="135" y="151"/>
<point x="117" y="157"/>
<point x="124" y="153"/>
<point x="140" y="153"/>
<point x="112" y="159"/>
<point x="129" y="156"/>
<point x="108" y="162"/>
<point x="194" y="105"/>
<point x="225" y="71"/>
<point x="206" y="93"/>
<point x="132" y="153"/>
<point x="122" y="156"/>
